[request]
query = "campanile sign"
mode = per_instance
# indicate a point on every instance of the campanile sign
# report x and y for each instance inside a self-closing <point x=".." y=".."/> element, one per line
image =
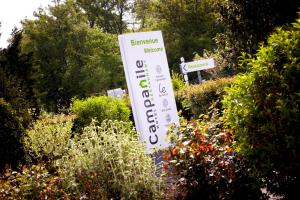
<point x="149" y="86"/>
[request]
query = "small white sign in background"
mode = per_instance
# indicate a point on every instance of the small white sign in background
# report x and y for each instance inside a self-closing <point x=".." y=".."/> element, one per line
<point x="149" y="86"/>
<point x="197" y="65"/>
<point x="116" y="93"/>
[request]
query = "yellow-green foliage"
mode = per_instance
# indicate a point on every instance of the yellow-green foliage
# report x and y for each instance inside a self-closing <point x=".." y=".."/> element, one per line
<point x="107" y="161"/>
<point x="99" y="108"/>
<point x="197" y="99"/>
<point x="177" y="81"/>
<point x="49" y="136"/>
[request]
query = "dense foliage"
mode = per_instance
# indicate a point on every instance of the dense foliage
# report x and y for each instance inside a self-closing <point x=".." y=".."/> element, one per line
<point x="195" y="100"/>
<point x="188" y="26"/>
<point x="98" y="108"/>
<point x="177" y="81"/>
<point x="103" y="162"/>
<point x="203" y="164"/>
<point x="16" y="81"/>
<point x="263" y="106"/>
<point x="49" y="137"/>
<point x="70" y="51"/>
<point x="107" y="15"/>
<point x="11" y="135"/>
<point x="108" y="161"/>
<point x="31" y="182"/>
<point x="248" y="23"/>
<point x="71" y="58"/>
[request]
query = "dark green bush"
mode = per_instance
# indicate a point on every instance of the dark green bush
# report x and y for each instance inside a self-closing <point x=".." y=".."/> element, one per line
<point x="15" y="93"/>
<point x="99" y="108"/>
<point x="263" y="106"/>
<point x="195" y="100"/>
<point x="11" y="134"/>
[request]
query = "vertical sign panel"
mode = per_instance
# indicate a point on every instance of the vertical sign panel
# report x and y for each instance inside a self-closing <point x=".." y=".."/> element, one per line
<point x="149" y="85"/>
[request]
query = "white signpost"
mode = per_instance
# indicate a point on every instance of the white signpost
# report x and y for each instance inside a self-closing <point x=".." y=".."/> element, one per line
<point x="149" y="86"/>
<point x="196" y="66"/>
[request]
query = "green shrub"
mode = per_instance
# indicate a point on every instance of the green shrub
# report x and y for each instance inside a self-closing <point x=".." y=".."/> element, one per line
<point x="31" y="182"/>
<point x="108" y="162"/>
<point x="195" y="100"/>
<point x="13" y="91"/>
<point x="177" y="81"/>
<point x="49" y="137"/>
<point x="204" y="165"/>
<point x="99" y="108"/>
<point x="263" y="106"/>
<point x="11" y="135"/>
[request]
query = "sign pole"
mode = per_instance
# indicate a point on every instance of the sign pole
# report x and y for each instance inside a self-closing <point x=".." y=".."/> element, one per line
<point x="183" y="70"/>
<point x="199" y="76"/>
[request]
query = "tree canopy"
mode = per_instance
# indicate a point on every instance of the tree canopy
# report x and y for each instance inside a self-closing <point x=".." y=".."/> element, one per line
<point x="72" y="58"/>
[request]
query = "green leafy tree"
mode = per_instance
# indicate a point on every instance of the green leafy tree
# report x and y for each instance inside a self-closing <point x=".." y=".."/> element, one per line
<point x="143" y="13"/>
<point x="263" y="106"/>
<point x="102" y="67"/>
<point x="250" y="22"/>
<point x="72" y="59"/>
<point x="18" y="105"/>
<point x="47" y="38"/>
<point x="108" y="15"/>
<point x="17" y="80"/>
<point x="188" y="26"/>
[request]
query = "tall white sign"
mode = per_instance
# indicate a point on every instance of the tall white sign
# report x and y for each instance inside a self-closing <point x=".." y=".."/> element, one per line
<point x="149" y="86"/>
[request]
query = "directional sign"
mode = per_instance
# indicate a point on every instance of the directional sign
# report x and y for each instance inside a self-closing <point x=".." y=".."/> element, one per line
<point x="197" y="65"/>
<point x="149" y="86"/>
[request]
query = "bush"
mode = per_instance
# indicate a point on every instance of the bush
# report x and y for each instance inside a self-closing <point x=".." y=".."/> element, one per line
<point x="49" y="137"/>
<point x="32" y="182"/>
<point x="204" y="165"/>
<point x="11" y="135"/>
<point x="196" y="99"/>
<point x="177" y="81"/>
<point x="108" y="162"/>
<point x="264" y="108"/>
<point x="99" y="108"/>
<point x="14" y="92"/>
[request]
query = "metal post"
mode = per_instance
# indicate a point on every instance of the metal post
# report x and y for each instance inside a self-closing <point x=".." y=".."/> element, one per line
<point x="185" y="76"/>
<point x="199" y="77"/>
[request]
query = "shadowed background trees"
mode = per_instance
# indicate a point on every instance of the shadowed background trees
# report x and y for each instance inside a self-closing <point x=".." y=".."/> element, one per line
<point x="248" y="23"/>
<point x="72" y="45"/>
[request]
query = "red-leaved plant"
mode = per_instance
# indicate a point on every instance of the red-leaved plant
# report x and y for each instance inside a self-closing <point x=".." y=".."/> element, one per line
<point x="201" y="162"/>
